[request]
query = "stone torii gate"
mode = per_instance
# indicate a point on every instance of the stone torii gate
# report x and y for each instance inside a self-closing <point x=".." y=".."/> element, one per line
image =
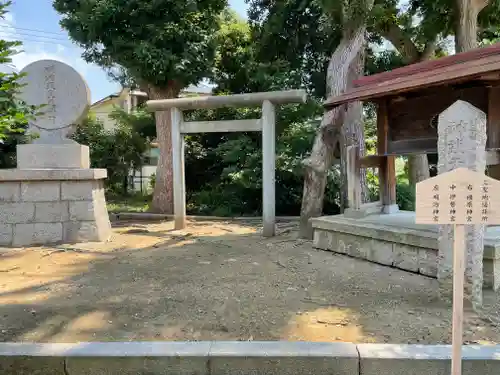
<point x="266" y="125"/>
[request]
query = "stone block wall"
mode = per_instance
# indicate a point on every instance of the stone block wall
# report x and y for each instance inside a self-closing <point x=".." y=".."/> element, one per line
<point x="416" y="257"/>
<point x="409" y="258"/>
<point x="49" y="212"/>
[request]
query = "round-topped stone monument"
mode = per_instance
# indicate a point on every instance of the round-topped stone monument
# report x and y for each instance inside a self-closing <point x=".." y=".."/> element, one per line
<point x="64" y="94"/>
<point x="60" y="198"/>
<point x="65" y="97"/>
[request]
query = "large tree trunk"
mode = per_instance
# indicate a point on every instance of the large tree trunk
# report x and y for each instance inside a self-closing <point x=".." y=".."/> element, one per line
<point x="329" y="133"/>
<point x="163" y="194"/>
<point x="466" y="24"/>
<point x="353" y="133"/>
<point x="418" y="168"/>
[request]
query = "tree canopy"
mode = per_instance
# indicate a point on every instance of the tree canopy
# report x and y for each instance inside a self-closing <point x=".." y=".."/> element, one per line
<point x="161" y="43"/>
<point x="284" y="44"/>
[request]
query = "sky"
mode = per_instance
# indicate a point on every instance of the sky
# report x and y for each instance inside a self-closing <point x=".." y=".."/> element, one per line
<point x="38" y="28"/>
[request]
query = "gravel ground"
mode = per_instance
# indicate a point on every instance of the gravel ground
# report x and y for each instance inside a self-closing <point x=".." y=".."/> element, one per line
<point x="218" y="281"/>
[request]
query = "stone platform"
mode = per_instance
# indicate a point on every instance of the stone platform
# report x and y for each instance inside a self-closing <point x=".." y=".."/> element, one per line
<point x="395" y="240"/>
<point x="49" y="206"/>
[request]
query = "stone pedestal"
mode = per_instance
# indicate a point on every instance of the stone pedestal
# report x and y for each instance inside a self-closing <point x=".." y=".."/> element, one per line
<point x="49" y="206"/>
<point x="461" y="143"/>
<point x="59" y="156"/>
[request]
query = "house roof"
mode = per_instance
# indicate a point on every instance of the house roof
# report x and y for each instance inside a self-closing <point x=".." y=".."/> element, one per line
<point x="456" y="68"/>
<point x="106" y="98"/>
<point x="191" y="89"/>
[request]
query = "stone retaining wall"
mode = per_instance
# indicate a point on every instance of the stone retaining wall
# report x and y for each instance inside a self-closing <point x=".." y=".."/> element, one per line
<point x="242" y="358"/>
<point x="403" y="248"/>
<point x="39" y="207"/>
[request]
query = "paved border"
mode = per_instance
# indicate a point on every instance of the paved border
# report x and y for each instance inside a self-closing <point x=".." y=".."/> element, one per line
<point x="242" y="358"/>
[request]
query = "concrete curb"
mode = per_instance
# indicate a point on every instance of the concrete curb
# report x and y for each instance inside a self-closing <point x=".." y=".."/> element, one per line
<point x="252" y="358"/>
<point x="153" y="216"/>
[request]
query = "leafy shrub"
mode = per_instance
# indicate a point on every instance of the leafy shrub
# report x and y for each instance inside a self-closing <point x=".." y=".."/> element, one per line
<point x="405" y="194"/>
<point x="119" y="150"/>
<point x="230" y="165"/>
<point x="152" y="181"/>
<point x="405" y="197"/>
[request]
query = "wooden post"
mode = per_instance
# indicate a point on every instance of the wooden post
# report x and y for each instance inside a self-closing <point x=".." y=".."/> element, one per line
<point x="268" y="168"/>
<point x="178" y="170"/>
<point x="458" y="298"/>
<point x="353" y="177"/>
<point x="493" y="121"/>
<point x="493" y="128"/>
<point x="462" y="199"/>
<point x="387" y="169"/>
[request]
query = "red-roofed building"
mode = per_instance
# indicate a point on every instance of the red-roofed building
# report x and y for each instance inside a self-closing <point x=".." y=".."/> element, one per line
<point x="476" y="67"/>
<point x="410" y="98"/>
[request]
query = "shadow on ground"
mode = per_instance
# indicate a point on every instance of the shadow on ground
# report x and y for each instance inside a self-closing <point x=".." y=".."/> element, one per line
<point x="215" y="281"/>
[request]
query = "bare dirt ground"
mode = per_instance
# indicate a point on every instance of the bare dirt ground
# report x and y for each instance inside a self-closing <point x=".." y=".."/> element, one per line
<point x="217" y="281"/>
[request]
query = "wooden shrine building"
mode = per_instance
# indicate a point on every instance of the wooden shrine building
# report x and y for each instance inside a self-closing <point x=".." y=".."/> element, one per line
<point x="409" y="100"/>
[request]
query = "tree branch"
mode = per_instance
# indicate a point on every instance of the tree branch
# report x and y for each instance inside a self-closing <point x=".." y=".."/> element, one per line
<point x="480" y="4"/>
<point x="429" y="49"/>
<point x="401" y="42"/>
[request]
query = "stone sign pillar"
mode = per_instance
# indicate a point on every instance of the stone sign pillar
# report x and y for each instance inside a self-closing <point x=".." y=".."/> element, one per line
<point x="461" y="143"/>
<point x="53" y="195"/>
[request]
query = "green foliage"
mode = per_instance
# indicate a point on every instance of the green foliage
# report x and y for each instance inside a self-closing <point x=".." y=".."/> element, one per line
<point x="133" y="202"/>
<point x="405" y="196"/>
<point x="140" y="120"/>
<point x="231" y="166"/>
<point x="440" y="17"/>
<point x="405" y="193"/>
<point x="239" y="66"/>
<point x="163" y="43"/>
<point x="119" y="150"/>
<point x="224" y="171"/>
<point x="14" y="113"/>
<point x="297" y="34"/>
<point x="287" y="45"/>
<point x="382" y="61"/>
<point x="152" y="181"/>
<point x="8" y="146"/>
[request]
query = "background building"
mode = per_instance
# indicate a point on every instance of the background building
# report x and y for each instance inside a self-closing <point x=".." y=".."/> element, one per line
<point x="128" y="100"/>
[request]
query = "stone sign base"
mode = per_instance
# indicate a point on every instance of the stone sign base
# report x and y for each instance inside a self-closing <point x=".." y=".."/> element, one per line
<point x="49" y="206"/>
<point x="57" y="156"/>
<point x="395" y="240"/>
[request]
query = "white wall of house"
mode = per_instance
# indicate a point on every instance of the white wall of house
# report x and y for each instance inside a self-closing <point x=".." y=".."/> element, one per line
<point x="104" y="107"/>
<point x="102" y="112"/>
